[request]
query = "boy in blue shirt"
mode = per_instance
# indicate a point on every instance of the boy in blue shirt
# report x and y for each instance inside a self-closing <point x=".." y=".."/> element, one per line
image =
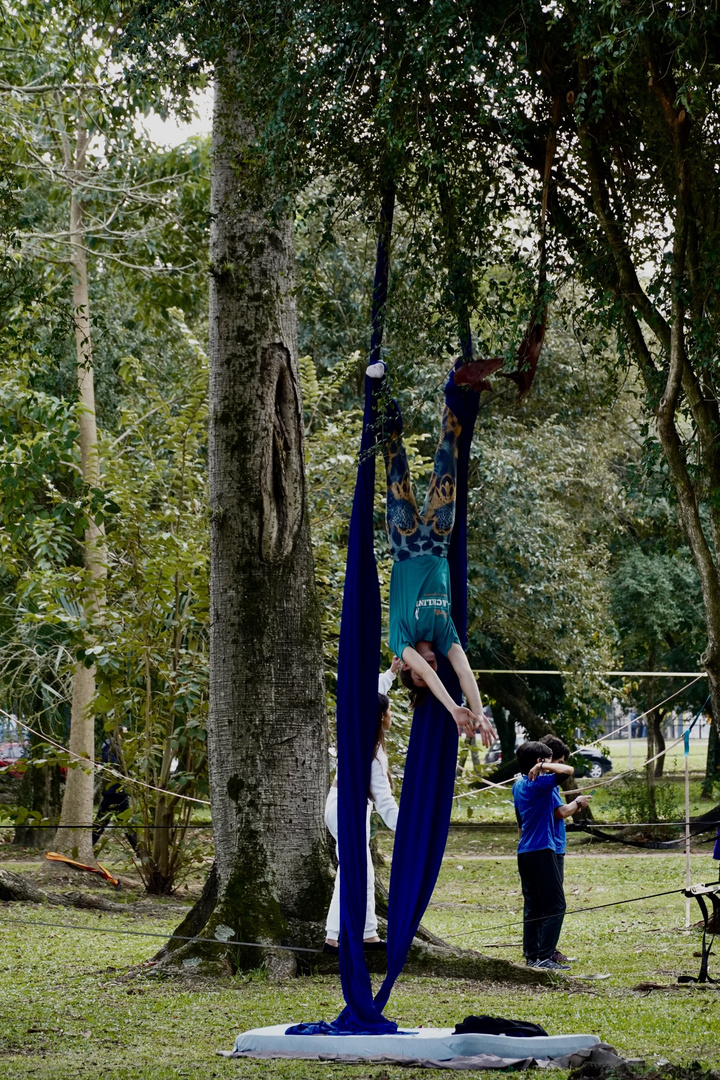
<point x="535" y="797"/>
<point x="560" y="753"/>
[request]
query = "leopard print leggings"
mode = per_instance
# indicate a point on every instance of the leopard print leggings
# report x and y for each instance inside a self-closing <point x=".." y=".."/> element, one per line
<point x="425" y="532"/>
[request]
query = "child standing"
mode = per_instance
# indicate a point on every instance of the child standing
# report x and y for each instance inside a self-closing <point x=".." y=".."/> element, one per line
<point x="534" y="795"/>
<point x="560" y="753"/>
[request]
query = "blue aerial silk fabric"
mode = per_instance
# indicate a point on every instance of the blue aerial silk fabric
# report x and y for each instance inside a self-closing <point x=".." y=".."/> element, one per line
<point x="429" y="779"/>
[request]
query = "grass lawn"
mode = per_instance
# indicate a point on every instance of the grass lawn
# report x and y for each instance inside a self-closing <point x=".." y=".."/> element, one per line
<point x="72" y="1004"/>
<point x="674" y="759"/>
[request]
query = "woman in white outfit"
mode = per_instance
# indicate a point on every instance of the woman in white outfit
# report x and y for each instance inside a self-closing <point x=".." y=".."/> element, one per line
<point x="381" y="795"/>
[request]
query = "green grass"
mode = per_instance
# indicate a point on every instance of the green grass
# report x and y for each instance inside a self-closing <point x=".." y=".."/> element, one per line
<point x="674" y="759"/>
<point x="72" y="1005"/>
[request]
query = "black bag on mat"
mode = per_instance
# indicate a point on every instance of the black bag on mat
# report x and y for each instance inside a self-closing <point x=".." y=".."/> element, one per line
<point x="498" y="1025"/>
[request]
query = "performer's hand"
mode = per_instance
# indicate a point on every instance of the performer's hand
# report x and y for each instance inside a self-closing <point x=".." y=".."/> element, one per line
<point x="535" y="771"/>
<point x="466" y="721"/>
<point x="396" y="665"/>
<point x="485" y="730"/>
<point x="583" y="801"/>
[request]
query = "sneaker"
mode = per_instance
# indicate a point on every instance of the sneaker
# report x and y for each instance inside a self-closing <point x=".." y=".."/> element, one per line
<point x="549" y="965"/>
<point x="561" y="958"/>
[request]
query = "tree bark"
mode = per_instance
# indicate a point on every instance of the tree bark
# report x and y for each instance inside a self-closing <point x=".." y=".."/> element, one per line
<point x="267" y="727"/>
<point x="712" y="766"/>
<point x="77" y="806"/>
<point x="689" y="485"/>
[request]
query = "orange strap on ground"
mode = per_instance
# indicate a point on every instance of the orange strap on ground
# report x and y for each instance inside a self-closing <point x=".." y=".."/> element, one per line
<point x="55" y="856"/>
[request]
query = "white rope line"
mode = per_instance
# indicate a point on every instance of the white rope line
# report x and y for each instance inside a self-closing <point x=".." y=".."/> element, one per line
<point x="609" y="674"/>
<point x="646" y="713"/>
<point x="511" y="780"/>
<point x="481" y="791"/>
<point x="612" y="779"/>
<point x="100" y="766"/>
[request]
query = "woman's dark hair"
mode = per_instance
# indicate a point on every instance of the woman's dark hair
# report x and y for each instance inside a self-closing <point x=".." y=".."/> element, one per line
<point x="557" y="747"/>
<point x="418" y="694"/>
<point x="382" y="708"/>
<point x="528" y="755"/>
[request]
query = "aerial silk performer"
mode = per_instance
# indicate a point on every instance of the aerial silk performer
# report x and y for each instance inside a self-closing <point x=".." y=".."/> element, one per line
<point x="429" y="777"/>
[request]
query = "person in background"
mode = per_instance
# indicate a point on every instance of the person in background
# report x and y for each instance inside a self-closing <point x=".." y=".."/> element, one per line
<point x="382" y="797"/>
<point x="115" y="799"/>
<point x="387" y="678"/>
<point x="542" y="887"/>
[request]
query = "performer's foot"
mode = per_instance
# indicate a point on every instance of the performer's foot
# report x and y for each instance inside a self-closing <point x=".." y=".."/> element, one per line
<point x="475" y="373"/>
<point x="376" y="371"/>
<point x="561" y="958"/>
<point x="331" y="947"/>
<point x="375" y="945"/>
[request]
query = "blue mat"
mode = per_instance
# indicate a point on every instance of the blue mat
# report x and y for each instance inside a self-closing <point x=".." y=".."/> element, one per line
<point x="437" y="1044"/>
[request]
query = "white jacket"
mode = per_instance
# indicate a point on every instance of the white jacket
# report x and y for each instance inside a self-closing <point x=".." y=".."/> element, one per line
<point x="380" y="790"/>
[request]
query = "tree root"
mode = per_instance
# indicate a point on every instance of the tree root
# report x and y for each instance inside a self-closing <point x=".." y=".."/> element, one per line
<point x="18" y="887"/>
<point x="429" y="955"/>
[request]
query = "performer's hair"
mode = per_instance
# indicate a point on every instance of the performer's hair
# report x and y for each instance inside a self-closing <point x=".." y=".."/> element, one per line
<point x="558" y="748"/>
<point x="528" y="755"/>
<point x="418" y="694"/>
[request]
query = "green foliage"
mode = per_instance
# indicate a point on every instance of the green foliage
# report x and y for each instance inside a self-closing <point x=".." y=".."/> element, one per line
<point x="631" y="801"/>
<point x="152" y="655"/>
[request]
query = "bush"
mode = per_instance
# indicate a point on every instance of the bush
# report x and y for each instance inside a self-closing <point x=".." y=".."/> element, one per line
<point x="635" y="802"/>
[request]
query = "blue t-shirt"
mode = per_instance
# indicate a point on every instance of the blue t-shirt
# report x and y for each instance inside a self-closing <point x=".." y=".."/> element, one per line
<point x="558" y="823"/>
<point x="420" y="604"/>
<point x="535" y="802"/>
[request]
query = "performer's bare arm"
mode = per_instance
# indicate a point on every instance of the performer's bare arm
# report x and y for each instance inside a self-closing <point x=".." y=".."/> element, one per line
<point x="423" y="675"/>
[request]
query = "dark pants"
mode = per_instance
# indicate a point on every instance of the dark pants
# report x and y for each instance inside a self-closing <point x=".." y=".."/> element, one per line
<point x="114" y="801"/>
<point x="544" y="910"/>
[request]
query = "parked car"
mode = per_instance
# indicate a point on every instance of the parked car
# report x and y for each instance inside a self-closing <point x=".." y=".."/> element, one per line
<point x="494" y="754"/>
<point x="587" y="762"/>
<point x="10" y="754"/>
<point x="590" y="762"/>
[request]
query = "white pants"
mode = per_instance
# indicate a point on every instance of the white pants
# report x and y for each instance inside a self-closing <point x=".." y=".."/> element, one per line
<point x="332" y="926"/>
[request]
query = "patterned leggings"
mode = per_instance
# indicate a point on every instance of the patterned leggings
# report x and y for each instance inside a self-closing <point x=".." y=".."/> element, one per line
<point x="425" y="532"/>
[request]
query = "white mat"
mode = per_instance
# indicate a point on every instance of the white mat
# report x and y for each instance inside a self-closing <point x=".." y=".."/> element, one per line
<point x="438" y="1044"/>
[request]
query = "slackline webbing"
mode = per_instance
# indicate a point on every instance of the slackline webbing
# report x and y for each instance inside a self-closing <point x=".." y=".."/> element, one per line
<point x="271" y="947"/>
<point x="155" y="934"/>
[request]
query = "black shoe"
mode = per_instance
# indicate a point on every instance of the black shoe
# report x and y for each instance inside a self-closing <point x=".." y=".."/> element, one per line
<point x="334" y="950"/>
<point x="375" y="946"/>
<point x="548" y="965"/>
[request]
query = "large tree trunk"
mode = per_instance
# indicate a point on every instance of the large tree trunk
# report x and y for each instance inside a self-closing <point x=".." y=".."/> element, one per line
<point x="267" y="727"/>
<point x="712" y="767"/>
<point x="77" y="807"/>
